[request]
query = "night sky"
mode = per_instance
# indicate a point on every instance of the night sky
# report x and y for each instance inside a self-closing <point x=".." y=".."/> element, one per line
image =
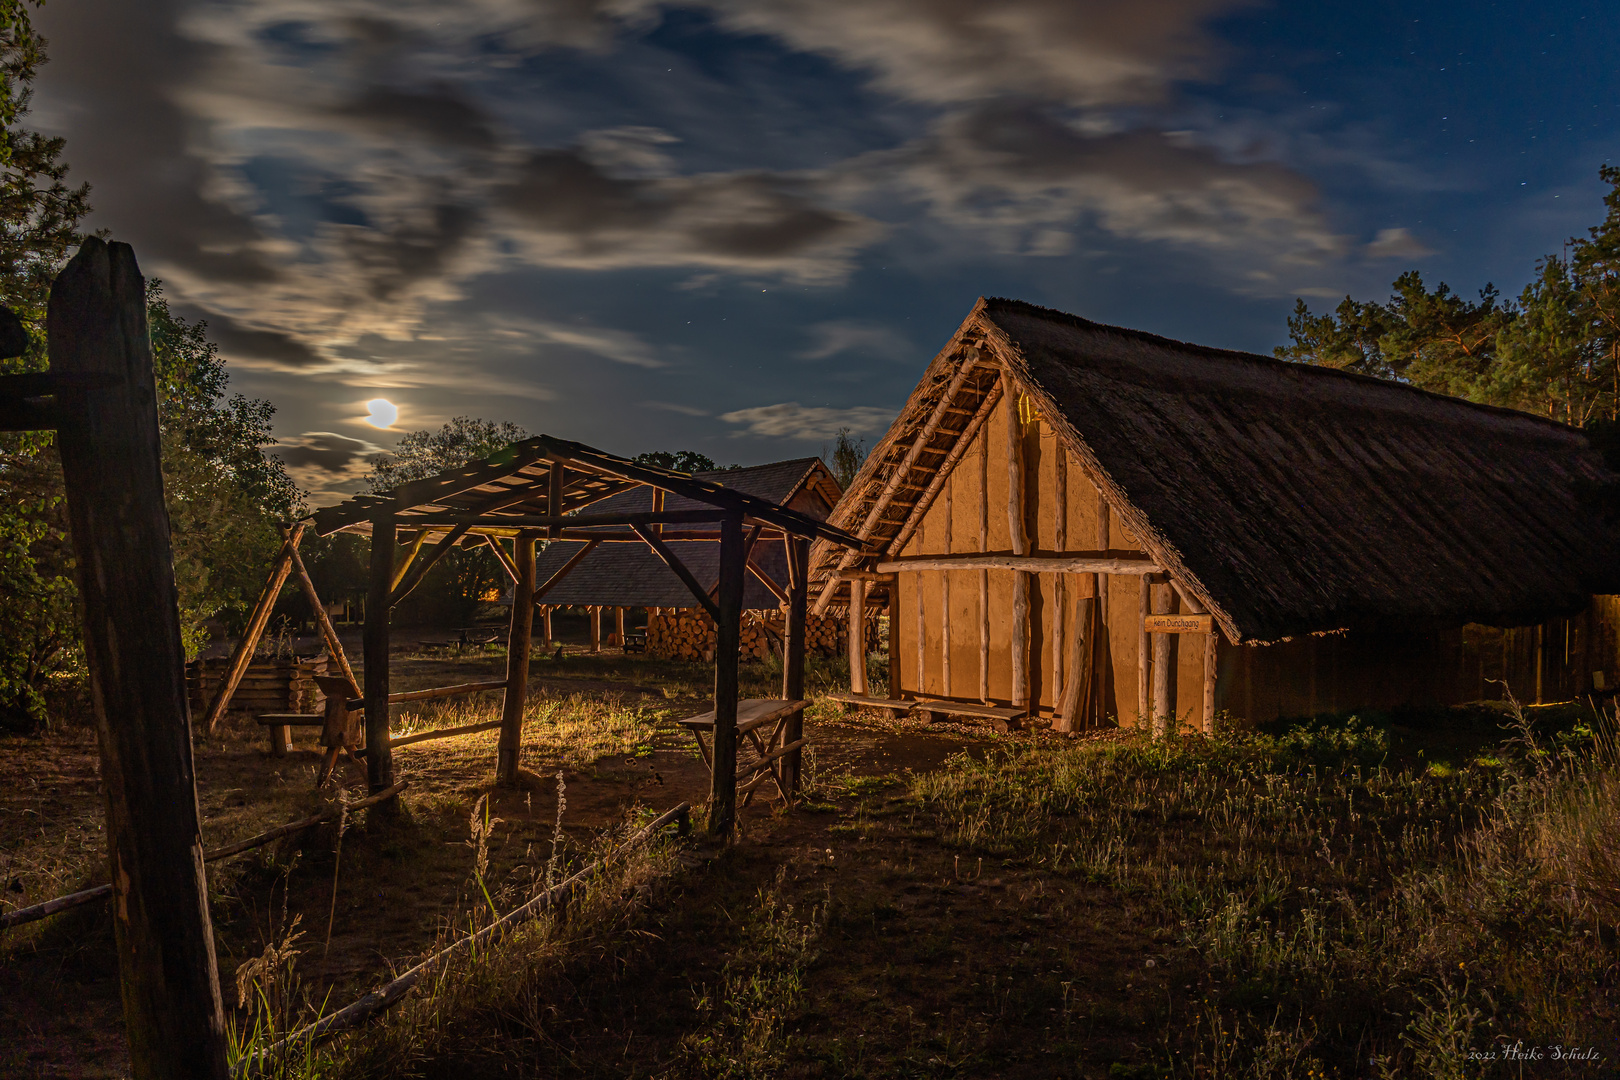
<point x="737" y="226"/>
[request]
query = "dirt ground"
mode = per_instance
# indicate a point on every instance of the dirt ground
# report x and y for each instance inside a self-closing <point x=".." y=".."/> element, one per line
<point x="383" y="892"/>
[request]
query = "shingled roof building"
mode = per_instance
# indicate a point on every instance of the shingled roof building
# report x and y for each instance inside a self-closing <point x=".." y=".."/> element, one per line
<point x="623" y="576"/>
<point x="1307" y="539"/>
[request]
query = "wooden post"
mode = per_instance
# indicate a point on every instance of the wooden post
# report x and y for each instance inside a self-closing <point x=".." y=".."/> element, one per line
<point x="1099" y="678"/>
<point x="618" y="624"/>
<point x="1078" y="685"/>
<point x="596" y="628"/>
<point x="556" y="481"/>
<point x="242" y="655"/>
<point x="798" y="553"/>
<point x="1211" y="672"/>
<point x="922" y="637"/>
<point x="1060" y="542"/>
<point x="1144" y="707"/>
<point x="517" y="663"/>
<point x="108" y="441"/>
<point x="727" y="644"/>
<point x="374" y="649"/>
<point x="545" y="622"/>
<point x="1164" y="672"/>
<point x="1020" y="545"/>
<point x="857" y="636"/>
<point x="333" y="645"/>
<point x="984" y="575"/>
<point x="945" y="603"/>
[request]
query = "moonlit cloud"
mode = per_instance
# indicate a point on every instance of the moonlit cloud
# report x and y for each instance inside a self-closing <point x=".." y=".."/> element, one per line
<point x="1397" y="244"/>
<point x="325" y="464"/>
<point x="790" y="420"/>
<point x="839" y="336"/>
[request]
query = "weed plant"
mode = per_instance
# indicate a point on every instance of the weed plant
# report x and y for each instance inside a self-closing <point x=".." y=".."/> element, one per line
<point x="1360" y="919"/>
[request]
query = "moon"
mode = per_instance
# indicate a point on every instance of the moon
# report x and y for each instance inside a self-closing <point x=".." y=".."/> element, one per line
<point x="383" y="413"/>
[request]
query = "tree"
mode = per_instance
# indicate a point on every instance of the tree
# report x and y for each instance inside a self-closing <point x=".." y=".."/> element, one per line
<point x="686" y="461"/>
<point x="846" y="457"/>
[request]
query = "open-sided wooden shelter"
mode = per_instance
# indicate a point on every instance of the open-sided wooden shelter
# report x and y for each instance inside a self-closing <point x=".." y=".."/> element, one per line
<point x="1090" y="522"/>
<point x="551" y="488"/>
<point x="622" y="576"/>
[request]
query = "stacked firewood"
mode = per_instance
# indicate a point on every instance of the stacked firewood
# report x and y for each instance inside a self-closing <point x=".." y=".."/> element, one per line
<point x="284" y="685"/>
<point x="688" y="634"/>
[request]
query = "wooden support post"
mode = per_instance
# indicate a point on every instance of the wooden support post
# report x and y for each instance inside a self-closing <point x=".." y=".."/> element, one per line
<point x="798" y="553"/>
<point x="517" y="663"/>
<point x="242" y="655"/>
<point x="727" y="645"/>
<point x="922" y="639"/>
<point x="403" y="567"/>
<point x="1164" y="669"/>
<point x="984" y="575"/>
<point x="129" y="607"/>
<point x="1078" y="687"/>
<point x="1211" y="672"/>
<point x="545" y="623"/>
<point x="374" y="648"/>
<point x="945" y="602"/>
<point x="1144" y="663"/>
<point x="1060" y="543"/>
<point x="857" y="636"/>
<point x="1020" y="545"/>
<point x="329" y="632"/>
<point x="618" y="624"/>
<point x="596" y="628"/>
<point x="556" y="479"/>
<point x="1099" y="677"/>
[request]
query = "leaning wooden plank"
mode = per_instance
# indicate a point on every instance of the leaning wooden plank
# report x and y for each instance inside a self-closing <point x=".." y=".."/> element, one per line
<point x="243" y="654"/>
<point x="765" y="762"/>
<point x="444" y="733"/>
<point x="562" y="571"/>
<point x="334" y="646"/>
<point x="435" y="692"/>
<point x="673" y="561"/>
<point x="1032" y="564"/>
<point x="73" y="900"/>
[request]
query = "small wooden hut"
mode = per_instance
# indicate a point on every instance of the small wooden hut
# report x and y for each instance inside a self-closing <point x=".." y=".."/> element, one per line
<point x="1092" y="523"/>
<point x="615" y="578"/>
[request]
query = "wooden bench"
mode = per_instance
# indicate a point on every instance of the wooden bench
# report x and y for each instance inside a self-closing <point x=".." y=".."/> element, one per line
<point x="281" y="725"/>
<point x="894" y="708"/>
<point x="752" y="716"/>
<point x="1001" y="719"/>
<point x="635" y="641"/>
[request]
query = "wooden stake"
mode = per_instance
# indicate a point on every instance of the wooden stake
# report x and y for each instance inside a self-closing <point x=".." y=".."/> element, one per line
<point x="984" y="575"/>
<point x="129" y="609"/>
<point x="1020" y="544"/>
<point x="857" y="636"/>
<point x="379" y="759"/>
<point x="242" y="655"/>
<point x="798" y="553"/>
<point x="728" y="639"/>
<point x="517" y="663"/>
<point x="1210" y="673"/>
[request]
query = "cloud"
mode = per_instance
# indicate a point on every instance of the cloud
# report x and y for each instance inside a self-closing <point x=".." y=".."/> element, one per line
<point x="565" y="210"/>
<point x="327" y="465"/>
<point x="1397" y="244"/>
<point x="1023" y="175"/>
<point x="674" y="407"/>
<point x="790" y="420"/>
<point x="839" y="336"/>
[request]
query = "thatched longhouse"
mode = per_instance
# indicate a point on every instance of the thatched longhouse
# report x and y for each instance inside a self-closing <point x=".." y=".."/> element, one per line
<point x="1346" y="541"/>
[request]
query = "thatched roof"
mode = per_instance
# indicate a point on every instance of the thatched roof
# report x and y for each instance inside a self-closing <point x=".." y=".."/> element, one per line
<point x="1289" y="499"/>
<point x="631" y="575"/>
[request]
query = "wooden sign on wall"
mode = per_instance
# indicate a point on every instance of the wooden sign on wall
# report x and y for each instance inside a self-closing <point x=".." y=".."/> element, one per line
<point x="1179" y="624"/>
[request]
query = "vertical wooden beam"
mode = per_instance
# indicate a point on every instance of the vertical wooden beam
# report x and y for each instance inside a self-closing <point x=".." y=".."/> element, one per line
<point x="1060" y="542"/>
<point x="1020" y="545"/>
<point x="242" y="655"/>
<point x="1072" y="711"/>
<point x="922" y="637"/>
<point x="518" y="639"/>
<point x="1164" y="669"/>
<point x="556" y="481"/>
<point x="129" y="611"/>
<point x="798" y="553"/>
<point x="545" y="622"/>
<point x="1211" y="672"/>
<point x="857" y="636"/>
<point x="618" y="624"/>
<point x="1103" y="649"/>
<point x="945" y="600"/>
<point x="728" y="640"/>
<point x="596" y="627"/>
<point x="1144" y="663"/>
<point x="374" y="654"/>
<point x="984" y="575"/>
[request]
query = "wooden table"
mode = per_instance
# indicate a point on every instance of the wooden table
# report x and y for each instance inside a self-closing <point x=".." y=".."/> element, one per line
<point x="752" y="716"/>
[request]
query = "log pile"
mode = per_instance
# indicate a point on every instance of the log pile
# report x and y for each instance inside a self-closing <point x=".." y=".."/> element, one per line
<point x="286" y="685"/>
<point x="688" y="634"/>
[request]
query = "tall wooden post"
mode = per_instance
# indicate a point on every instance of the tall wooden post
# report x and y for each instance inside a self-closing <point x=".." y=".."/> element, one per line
<point x="1099" y="678"/>
<point x="374" y="649"/>
<point x="517" y="662"/>
<point x="1144" y="663"/>
<point x="1060" y="543"/>
<point x="108" y="440"/>
<point x="798" y="553"/>
<point x="545" y="622"/>
<point x="984" y="575"/>
<point x="727" y="643"/>
<point x="857" y="637"/>
<point x="945" y="596"/>
<point x="596" y="628"/>
<point x="1164" y="669"/>
<point x="618" y="624"/>
<point x="1020" y="545"/>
